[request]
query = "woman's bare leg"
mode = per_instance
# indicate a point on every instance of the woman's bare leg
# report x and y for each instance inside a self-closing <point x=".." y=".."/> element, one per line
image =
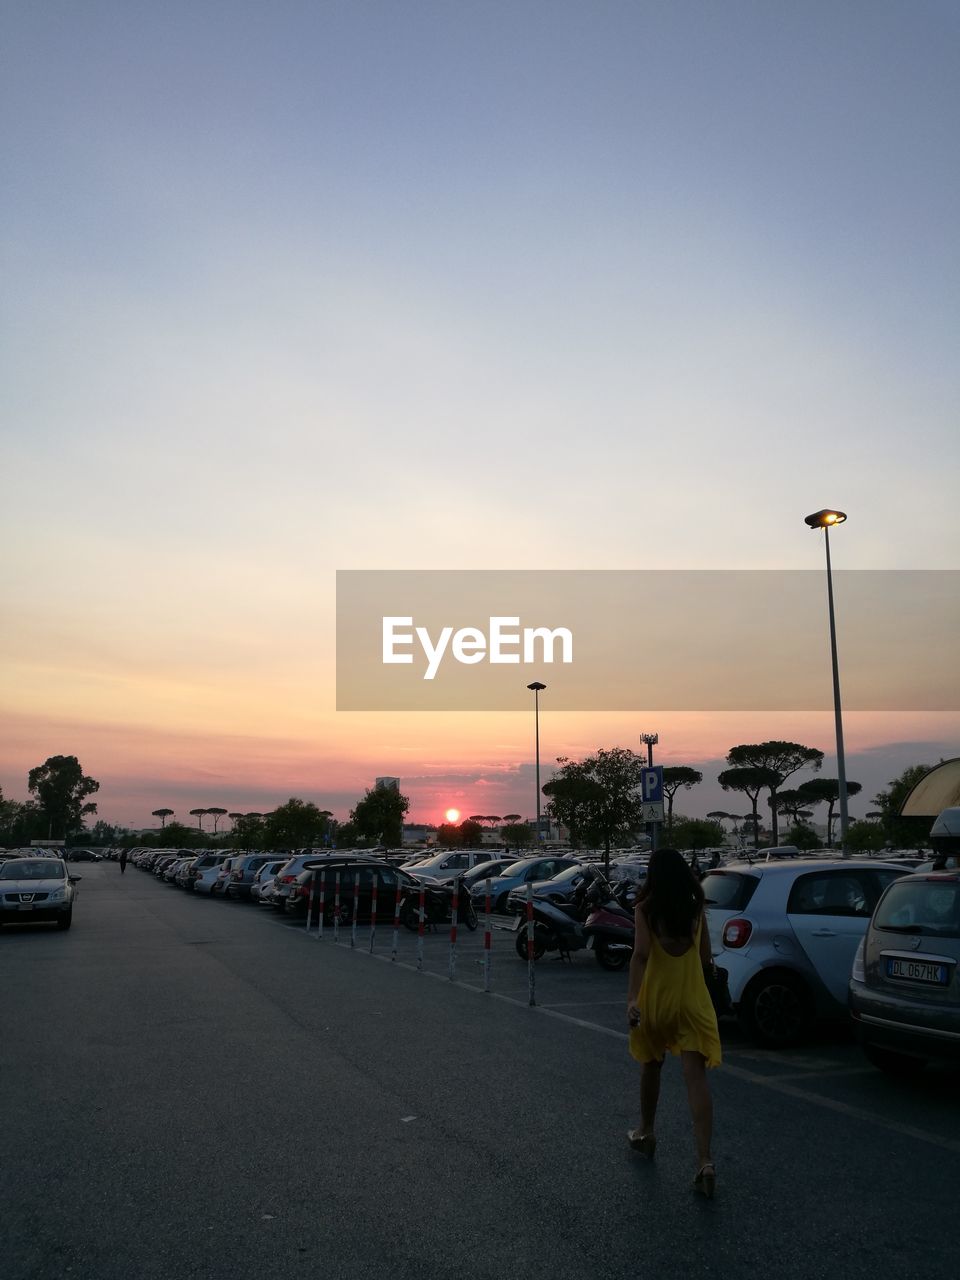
<point x="649" y="1095"/>
<point x="701" y="1104"/>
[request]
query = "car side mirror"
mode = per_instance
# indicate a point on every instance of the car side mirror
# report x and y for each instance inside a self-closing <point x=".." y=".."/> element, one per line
<point x="74" y="879"/>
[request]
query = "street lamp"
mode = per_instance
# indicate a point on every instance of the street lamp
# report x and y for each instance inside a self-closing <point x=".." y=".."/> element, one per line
<point x="536" y="687"/>
<point x="825" y="520"/>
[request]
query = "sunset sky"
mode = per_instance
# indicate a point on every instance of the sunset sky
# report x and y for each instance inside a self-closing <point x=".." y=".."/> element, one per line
<point x="298" y="287"/>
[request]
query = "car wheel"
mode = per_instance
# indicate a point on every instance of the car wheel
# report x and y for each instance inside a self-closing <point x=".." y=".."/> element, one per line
<point x="65" y="921"/>
<point x="893" y="1063"/>
<point x="501" y="904"/>
<point x="607" y="958"/>
<point x="410" y="916"/>
<point x="776" y="1010"/>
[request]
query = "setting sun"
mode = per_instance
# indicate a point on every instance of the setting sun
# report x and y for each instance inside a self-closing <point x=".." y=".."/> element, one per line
<point x="452" y="815"/>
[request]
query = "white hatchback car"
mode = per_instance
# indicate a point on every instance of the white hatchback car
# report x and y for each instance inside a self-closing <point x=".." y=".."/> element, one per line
<point x="786" y="932"/>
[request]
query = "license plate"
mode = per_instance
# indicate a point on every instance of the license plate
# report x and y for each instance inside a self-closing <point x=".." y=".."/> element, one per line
<point x="518" y="923"/>
<point x="589" y="943"/>
<point x="25" y="906"/>
<point x="917" y="971"/>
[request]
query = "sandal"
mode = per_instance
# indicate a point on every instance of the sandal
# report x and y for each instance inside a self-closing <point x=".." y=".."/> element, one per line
<point x="645" y="1143"/>
<point x="706" y="1180"/>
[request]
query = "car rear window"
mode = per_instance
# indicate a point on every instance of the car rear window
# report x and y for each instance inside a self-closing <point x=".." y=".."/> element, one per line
<point x="921" y="906"/>
<point x="728" y="890"/>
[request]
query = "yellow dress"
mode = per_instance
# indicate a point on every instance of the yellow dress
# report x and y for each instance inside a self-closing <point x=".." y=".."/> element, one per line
<point x="676" y="1011"/>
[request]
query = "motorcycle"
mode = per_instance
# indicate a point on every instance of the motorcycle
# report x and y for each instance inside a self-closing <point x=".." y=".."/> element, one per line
<point x="608" y="929"/>
<point x="556" y="927"/>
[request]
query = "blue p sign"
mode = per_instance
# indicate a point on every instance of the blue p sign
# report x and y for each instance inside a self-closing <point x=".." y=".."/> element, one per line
<point x="651" y="784"/>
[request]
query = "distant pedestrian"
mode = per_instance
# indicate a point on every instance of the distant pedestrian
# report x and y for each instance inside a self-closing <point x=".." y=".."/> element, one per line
<point x="669" y="1005"/>
<point x="123" y="861"/>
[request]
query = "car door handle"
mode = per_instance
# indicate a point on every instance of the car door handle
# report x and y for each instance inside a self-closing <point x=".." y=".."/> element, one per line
<point x="823" y="933"/>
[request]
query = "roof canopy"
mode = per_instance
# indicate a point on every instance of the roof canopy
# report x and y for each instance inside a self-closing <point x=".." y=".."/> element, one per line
<point x="936" y="790"/>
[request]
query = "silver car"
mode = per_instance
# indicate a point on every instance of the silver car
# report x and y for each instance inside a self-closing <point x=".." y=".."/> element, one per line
<point x="786" y="932"/>
<point x="37" y="889"/>
<point x="905" y="985"/>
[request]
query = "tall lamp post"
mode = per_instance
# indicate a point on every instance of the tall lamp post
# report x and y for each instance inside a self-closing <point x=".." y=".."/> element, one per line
<point x="825" y="520"/>
<point x="536" y="687"/>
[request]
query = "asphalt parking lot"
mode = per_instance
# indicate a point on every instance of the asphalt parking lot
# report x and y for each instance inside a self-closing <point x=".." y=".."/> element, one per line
<point x="193" y="1088"/>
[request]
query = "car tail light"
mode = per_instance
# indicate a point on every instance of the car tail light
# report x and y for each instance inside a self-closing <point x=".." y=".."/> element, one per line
<point x="287" y="879"/>
<point x="859" y="969"/>
<point x="736" y="933"/>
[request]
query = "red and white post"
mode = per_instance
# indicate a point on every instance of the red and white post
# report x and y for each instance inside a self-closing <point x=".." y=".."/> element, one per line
<point x="531" y="966"/>
<point x="396" y="922"/>
<point x="356" y="908"/>
<point x="420" y="915"/>
<point x="336" y="908"/>
<point x="373" y="910"/>
<point x="323" y="886"/>
<point x="454" y="913"/>
<point x="487" y="937"/>
<point x="313" y="881"/>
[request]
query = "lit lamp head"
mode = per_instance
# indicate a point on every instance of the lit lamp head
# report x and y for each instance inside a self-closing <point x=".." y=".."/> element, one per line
<point x="825" y="519"/>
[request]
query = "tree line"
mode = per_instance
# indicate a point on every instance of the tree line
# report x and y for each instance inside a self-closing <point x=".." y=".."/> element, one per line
<point x="596" y="799"/>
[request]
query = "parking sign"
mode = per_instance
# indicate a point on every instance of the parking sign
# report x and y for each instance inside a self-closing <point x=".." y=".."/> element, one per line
<point x="651" y="793"/>
<point x="651" y="784"/>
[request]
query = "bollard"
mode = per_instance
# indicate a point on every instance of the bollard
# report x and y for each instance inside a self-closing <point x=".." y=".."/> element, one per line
<point x="531" y="967"/>
<point x="487" y="938"/>
<point x="423" y="893"/>
<point x="454" y="912"/>
<point x="336" y="908"/>
<point x="373" y="910"/>
<point x="396" y="921"/>
<point x="323" y="886"/>
<point x="356" y="906"/>
<point x="313" y="880"/>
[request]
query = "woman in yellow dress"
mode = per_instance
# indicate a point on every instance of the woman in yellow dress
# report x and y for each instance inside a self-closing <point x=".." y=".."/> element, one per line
<point x="668" y="1004"/>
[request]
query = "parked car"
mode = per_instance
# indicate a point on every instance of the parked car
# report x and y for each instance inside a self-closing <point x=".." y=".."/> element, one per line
<point x="449" y="863"/>
<point x="243" y="872"/>
<point x="366" y="872"/>
<point x="261" y="890"/>
<point x="171" y="872"/>
<point x="560" y="889"/>
<point x="37" y="889"/>
<point x="905" y="985"/>
<point x="204" y="878"/>
<point x="526" y="871"/>
<point x="286" y="877"/>
<point x="475" y="879"/>
<point x="188" y="876"/>
<point x="219" y="887"/>
<point x="786" y="932"/>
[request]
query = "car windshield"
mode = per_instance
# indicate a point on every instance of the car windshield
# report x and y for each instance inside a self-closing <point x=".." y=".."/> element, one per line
<point x="25" y="869"/>
<point x="570" y="875"/>
<point x="516" y="868"/>
<point x="921" y="906"/>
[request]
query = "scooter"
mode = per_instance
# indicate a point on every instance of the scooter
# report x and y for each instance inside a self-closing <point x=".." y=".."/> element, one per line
<point x="608" y="930"/>
<point x="555" y="928"/>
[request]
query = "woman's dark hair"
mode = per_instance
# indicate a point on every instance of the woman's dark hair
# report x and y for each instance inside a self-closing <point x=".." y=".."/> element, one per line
<point x="671" y="897"/>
